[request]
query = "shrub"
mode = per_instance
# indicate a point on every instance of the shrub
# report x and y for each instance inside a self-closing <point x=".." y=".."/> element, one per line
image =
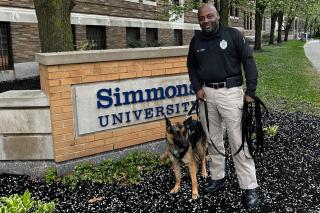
<point x="271" y="131"/>
<point x="128" y="170"/>
<point x="24" y="203"/>
<point x="51" y="175"/>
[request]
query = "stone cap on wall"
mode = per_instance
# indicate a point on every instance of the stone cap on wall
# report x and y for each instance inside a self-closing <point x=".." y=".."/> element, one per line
<point x="77" y="57"/>
<point x="23" y="98"/>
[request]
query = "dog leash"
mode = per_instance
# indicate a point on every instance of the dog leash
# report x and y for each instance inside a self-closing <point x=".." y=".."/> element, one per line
<point x="249" y="127"/>
<point x="195" y="105"/>
<point x="207" y="121"/>
<point x="251" y="123"/>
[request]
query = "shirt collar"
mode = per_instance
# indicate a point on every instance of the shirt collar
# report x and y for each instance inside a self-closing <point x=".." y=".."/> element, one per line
<point x="214" y="35"/>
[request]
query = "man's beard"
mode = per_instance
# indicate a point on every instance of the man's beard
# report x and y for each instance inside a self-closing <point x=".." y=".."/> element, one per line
<point x="213" y="28"/>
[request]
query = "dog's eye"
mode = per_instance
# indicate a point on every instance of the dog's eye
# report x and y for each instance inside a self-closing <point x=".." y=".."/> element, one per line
<point x="170" y="130"/>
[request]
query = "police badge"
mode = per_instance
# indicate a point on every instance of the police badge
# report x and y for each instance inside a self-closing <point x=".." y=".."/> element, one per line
<point x="223" y="44"/>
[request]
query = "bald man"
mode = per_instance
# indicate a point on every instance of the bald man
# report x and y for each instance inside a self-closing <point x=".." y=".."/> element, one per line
<point x="215" y="61"/>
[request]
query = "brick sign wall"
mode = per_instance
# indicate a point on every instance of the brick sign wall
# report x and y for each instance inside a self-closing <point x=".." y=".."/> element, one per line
<point x="58" y="81"/>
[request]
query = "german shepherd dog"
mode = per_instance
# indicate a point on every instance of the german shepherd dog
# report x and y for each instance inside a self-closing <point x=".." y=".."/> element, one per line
<point x="187" y="148"/>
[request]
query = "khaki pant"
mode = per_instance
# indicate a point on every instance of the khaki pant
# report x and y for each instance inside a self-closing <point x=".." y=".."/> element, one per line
<point x="225" y="106"/>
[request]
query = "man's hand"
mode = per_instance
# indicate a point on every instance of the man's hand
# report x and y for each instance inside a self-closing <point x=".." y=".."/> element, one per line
<point x="201" y="95"/>
<point x="248" y="99"/>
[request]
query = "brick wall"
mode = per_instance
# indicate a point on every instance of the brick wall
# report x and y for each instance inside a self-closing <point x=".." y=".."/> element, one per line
<point x="25" y="41"/>
<point x="116" y="37"/>
<point x="56" y="82"/>
<point x="118" y="8"/>
<point x="166" y="36"/>
<point x="187" y="36"/>
<point x="81" y="36"/>
<point x="17" y="3"/>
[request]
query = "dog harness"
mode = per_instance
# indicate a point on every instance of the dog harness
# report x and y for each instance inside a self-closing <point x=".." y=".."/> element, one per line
<point x="180" y="152"/>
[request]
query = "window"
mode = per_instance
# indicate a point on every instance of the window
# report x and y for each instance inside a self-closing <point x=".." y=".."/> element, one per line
<point x="6" y="59"/>
<point x="74" y="38"/>
<point x="236" y="12"/>
<point x="152" y="37"/>
<point x="231" y="10"/>
<point x="250" y="17"/>
<point x="178" y="38"/>
<point x="96" y="36"/>
<point x="247" y="20"/>
<point x="133" y="36"/>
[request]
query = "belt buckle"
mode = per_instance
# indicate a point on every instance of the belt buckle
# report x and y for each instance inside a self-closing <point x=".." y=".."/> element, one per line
<point x="221" y="85"/>
<point x="218" y="85"/>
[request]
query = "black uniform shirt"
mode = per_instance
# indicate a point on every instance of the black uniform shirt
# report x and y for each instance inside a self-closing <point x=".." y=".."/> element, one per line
<point x="211" y="59"/>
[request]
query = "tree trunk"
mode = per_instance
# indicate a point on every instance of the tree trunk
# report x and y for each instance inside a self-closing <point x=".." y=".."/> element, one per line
<point x="280" y="22"/>
<point x="258" y="24"/>
<point x="224" y="12"/>
<point x="287" y="28"/>
<point x="54" y="24"/>
<point x="274" y="17"/>
<point x="306" y="23"/>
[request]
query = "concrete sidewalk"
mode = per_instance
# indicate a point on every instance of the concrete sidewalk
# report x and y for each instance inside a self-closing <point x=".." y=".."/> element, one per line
<point x="312" y="51"/>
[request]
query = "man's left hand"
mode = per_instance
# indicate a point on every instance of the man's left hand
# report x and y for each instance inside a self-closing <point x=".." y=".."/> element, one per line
<point x="248" y="99"/>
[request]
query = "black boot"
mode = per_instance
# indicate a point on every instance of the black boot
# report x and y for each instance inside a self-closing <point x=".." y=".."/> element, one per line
<point x="214" y="185"/>
<point x="250" y="198"/>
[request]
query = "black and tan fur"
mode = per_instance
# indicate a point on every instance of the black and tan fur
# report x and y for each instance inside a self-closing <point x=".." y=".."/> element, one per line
<point x="176" y="135"/>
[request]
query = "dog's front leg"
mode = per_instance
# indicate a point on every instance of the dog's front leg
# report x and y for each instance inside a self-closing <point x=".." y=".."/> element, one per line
<point x="203" y="166"/>
<point x="193" y="167"/>
<point x="177" y="174"/>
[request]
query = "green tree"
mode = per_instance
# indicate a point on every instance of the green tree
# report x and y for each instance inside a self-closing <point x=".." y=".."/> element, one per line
<point x="260" y="8"/>
<point x="275" y="7"/>
<point x="280" y="25"/>
<point x="54" y="24"/>
<point x="224" y="12"/>
<point x="177" y="11"/>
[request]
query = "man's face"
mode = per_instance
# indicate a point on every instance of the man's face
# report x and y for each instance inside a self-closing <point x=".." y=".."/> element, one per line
<point x="208" y="19"/>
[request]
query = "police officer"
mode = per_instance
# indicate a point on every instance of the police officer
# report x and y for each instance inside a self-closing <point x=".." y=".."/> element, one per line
<point x="214" y="65"/>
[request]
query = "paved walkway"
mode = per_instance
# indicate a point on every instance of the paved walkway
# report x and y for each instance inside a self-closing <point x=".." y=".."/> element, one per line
<point x="312" y="51"/>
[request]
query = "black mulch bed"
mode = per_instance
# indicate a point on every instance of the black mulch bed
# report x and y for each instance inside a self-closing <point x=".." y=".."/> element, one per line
<point x="289" y="178"/>
<point x="21" y="84"/>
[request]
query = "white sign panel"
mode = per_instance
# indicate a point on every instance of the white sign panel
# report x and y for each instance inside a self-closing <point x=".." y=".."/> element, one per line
<point x="108" y="105"/>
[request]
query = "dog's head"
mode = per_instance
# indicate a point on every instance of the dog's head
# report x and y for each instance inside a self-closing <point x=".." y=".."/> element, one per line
<point x="176" y="134"/>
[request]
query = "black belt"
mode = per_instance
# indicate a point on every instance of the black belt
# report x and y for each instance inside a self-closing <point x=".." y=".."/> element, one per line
<point x="216" y="85"/>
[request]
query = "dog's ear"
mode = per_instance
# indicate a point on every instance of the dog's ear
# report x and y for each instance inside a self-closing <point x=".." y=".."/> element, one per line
<point x="170" y="129"/>
<point x="168" y="122"/>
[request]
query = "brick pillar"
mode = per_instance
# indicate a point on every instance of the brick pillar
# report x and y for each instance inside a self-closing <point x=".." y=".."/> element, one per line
<point x="116" y="37"/>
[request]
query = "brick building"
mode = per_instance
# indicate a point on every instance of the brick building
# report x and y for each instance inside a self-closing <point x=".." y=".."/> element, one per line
<point x="101" y="24"/>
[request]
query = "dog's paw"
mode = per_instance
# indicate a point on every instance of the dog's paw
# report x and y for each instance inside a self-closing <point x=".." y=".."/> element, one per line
<point x="204" y="174"/>
<point x="195" y="196"/>
<point x="175" y="190"/>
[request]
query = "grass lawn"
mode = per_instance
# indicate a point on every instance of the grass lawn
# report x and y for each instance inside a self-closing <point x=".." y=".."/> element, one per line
<point x="287" y="80"/>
